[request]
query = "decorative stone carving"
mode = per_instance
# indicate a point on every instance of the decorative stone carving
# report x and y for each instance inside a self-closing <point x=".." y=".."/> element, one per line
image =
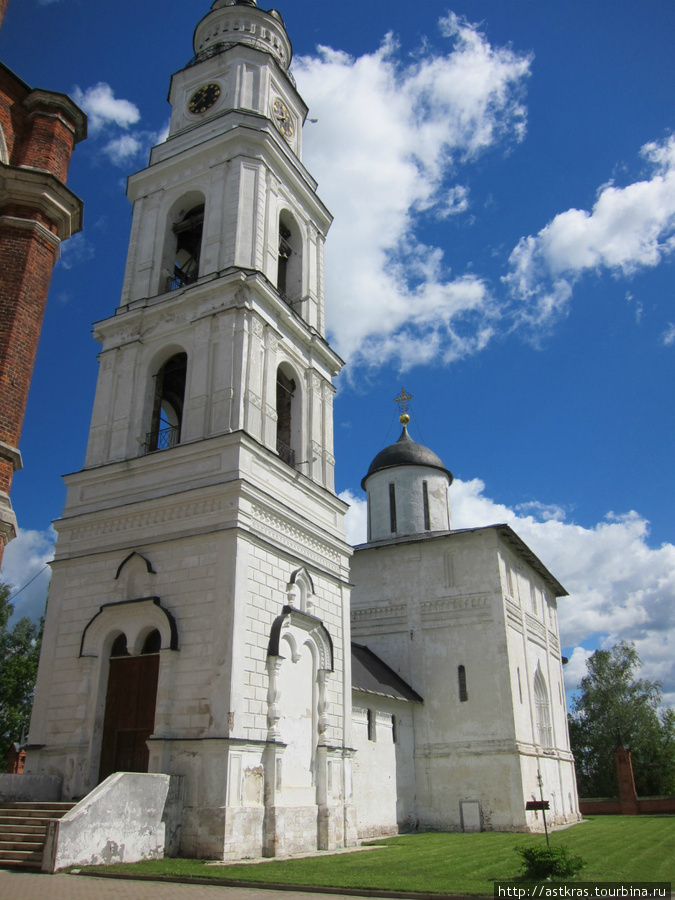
<point x="273" y="713"/>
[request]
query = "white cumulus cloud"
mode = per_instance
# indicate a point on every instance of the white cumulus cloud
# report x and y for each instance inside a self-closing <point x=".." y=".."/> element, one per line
<point x="123" y="149"/>
<point x="103" y="108"/>
<point x="25" y="570"/>
<point x="629" y="228"/>
<point x="389" y="140"/>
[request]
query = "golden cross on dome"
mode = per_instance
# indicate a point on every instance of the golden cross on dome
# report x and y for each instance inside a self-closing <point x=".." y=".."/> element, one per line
<point x="403" y="401"/>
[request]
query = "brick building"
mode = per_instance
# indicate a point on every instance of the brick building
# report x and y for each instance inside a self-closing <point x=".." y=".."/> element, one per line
<point x="38" y="130"/>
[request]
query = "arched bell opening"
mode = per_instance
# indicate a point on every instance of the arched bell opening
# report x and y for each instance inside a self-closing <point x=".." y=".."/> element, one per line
<point x="289" y="266"/>
<point x="289" y="406"/>
<point x="168" y="402"/>
<point x="183" y="242"/>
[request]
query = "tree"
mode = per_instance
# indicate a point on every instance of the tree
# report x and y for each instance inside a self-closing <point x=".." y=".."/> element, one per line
<point x="612" y="702"/>
<point x="19" y="655"/>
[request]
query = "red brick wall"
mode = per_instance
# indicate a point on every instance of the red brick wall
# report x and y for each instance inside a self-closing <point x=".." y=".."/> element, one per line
<point x="47" y="143"/>
<point x="40" y="129"/>
<point x="648" y="806"/>
<point x="26" y="262"/>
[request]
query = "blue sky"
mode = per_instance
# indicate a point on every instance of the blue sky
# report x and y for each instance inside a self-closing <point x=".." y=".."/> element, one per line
<point x="502" y="176"/>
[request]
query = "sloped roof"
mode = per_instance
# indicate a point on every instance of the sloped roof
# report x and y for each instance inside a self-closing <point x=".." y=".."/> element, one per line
<point x="372" y="676"/>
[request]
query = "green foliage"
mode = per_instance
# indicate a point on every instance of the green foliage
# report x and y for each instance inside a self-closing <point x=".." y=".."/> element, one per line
<point x="543" y="862"/>
<point x="613" y="701"/>
<point x="19" y="655"/>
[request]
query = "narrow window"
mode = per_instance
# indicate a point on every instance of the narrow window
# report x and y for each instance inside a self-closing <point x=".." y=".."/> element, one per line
<point x="188" y="249"/>
<point x="533" y="598"/>
<point x="425" y="499"/>
<point x="285" y="395"/>
<point x="461" y="678"/>
<point x="372" y="733"/>
<point x="394" y="730"/>
<point x="167" y="411"/>
<point x="520" y="688"/>
<point x="392" y="507"/>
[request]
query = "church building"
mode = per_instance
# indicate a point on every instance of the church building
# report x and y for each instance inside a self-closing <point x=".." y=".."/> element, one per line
<point x="206" y="616"/>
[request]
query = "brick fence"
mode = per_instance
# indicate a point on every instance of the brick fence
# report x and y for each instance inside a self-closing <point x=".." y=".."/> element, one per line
<point x="628" y="803"/>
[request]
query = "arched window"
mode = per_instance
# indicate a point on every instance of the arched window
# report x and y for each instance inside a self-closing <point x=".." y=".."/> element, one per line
<point x="119" y="647"/>
<point x="167" y="409"/>
<point x="288" y="416"/>
<point x="188" y="242"/>
<point x="289" y="268"/>
<point x="542" y="710"/>
<point x="152" y="643"/>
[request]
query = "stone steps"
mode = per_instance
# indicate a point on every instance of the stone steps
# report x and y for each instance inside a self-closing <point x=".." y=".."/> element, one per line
<point x="22" y="831"/>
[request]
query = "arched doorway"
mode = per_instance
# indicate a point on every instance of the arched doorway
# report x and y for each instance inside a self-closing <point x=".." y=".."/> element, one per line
<point x="129" y="707"/>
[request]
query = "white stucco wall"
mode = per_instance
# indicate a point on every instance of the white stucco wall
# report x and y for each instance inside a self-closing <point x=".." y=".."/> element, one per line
<point x="428" y="605"/>
<point x="384" y="769"/>
<point x="408" y="483"/>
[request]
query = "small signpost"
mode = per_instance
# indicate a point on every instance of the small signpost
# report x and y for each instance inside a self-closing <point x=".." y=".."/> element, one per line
<point x="542" y="804"/>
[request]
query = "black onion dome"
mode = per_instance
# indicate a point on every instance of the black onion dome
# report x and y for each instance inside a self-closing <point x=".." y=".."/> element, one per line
<point x="405" y="452"/>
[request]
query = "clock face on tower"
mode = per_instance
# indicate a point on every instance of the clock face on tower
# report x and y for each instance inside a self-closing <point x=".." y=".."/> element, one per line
<point x="204" y="98"/>
<point x="283" y="118"/>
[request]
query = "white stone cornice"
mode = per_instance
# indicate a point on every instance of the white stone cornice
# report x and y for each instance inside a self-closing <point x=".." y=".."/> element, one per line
<point x="7" y="520"/>
<point x="32" y="225"/>
<point x="60" y="106"/>
<point x="299" y="540"/>
<point x="42" y="190"/>
<point x="11" y="453"/>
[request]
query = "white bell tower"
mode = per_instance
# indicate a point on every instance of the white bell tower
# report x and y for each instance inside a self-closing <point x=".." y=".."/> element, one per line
<point x="204" y="528"/>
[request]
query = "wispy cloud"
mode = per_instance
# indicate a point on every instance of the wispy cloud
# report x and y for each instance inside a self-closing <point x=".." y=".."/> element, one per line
<point x="668" y="336"/>
<point x="629" y="228"/>
<point x="77" y="249"/>
<point x="389" y="141"/>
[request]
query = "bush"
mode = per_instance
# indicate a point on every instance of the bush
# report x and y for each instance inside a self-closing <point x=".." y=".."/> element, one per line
<point x="549" y="862"/>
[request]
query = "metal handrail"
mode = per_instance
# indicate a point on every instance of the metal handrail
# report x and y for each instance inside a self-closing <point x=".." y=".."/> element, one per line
<point x="286" y="453"/>
<point x="174" y="282"/>
<point x="162" y="439"/>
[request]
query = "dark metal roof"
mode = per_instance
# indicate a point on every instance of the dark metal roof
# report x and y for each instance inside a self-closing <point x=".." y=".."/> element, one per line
<point x="405" y="452"/>
<point x="372" y="676"/>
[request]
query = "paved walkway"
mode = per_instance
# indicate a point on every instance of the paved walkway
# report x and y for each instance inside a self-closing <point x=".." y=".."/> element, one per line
<point x="27" y="886"/>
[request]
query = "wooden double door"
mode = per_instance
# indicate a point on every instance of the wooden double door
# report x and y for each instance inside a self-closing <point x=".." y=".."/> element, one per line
<point x="129" y="714"/>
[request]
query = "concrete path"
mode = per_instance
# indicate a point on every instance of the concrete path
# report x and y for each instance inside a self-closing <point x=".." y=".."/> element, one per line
<point x="27" y="886"/>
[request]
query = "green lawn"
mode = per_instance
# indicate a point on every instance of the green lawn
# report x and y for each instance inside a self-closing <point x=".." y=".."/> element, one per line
<point x="615" y="848"/>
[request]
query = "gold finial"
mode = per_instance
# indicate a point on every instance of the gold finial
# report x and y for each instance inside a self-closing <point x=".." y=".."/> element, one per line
<point x="403" y="401"/>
